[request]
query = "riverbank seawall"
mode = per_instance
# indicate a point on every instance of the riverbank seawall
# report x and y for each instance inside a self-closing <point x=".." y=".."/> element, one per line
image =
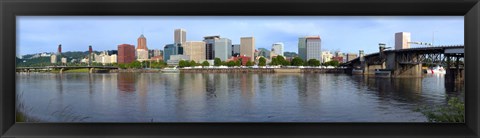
<point x="263" y="70"/>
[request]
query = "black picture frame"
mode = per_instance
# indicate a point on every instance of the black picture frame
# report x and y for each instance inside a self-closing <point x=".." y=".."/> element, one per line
<point x="9" y="9"/>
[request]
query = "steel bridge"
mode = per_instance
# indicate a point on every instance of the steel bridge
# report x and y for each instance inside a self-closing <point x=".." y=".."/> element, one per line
<point x="408" y="62"/>
<point x="63" y="68"/>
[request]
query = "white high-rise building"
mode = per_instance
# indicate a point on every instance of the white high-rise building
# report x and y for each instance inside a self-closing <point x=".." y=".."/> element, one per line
<point x="277" y="48"/>
<point x="180" y="36"/>
<point x="401" y="40"/>
<point x="309" y="47"/>
<point x="223" y="48"/>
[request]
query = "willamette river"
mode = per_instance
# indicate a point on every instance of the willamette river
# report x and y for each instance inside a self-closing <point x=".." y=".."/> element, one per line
<point x="227" y="97"/>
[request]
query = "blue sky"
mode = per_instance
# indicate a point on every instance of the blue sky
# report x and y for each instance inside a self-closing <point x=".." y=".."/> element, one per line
<point x="37" y="34"/>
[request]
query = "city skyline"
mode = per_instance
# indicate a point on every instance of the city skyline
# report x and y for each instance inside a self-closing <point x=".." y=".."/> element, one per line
<point x="36" y="34"/>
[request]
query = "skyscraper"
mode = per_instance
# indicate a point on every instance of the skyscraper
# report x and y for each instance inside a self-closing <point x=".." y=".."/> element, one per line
<point x="142" y="50"/>
<point x="142" y="42"/>
<point x="126" y="53"/>
<point x="309" y="47"/>
<point x="247" y="47"/>
<point x="209" y="46"/>
<point x="171" y="49"/>
<point x="195" y="50"/>
<point x="223" y="48"/>
<point x="235" y="49"/>
<point x="277" y="48"/>
<point x="402" y="39"/>
<point x="180" y="36"/>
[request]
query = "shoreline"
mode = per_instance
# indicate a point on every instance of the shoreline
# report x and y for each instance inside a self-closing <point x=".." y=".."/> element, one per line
<point x="215" y="70"/>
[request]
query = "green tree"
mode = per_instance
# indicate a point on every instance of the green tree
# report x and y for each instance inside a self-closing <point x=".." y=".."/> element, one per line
<point x="274" y="62"/>
<point x="217" y="62"/>
<point x="231" y="63"/>
<point x="193" y="63"/>
<point x="281" y="61"/>
<point x="205" y="63"/>
<point x="182" y="63"/>
<point x="297" y="61"/>
<point x="454" y="112"/>
<point x="313" y="62"/>
<point x="332" y="63"/>
<point x="238" y="63"/>
<point x="249" y="63"/>
<point x="136" y="65"/>
<point x="262" y="61"/>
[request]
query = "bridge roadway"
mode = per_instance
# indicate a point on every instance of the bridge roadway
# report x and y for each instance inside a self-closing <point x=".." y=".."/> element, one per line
<point x="408" y="62"/>
<point x="63" y="68"/>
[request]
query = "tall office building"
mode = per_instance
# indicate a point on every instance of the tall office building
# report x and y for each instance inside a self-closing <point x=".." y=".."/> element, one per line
<point x="309" y="47"/>
<point x="172" y="49"/>
<point x="142" y="50"/>
<point x="195" y="50"/>
<point x="223" y="48"/>
<point x="142" y="42"/>
<point x="402" y="39"/>
<point x="126" y="53"/>
<point x="180" y="36"/>
<point x="235" y="49"/>
<point x="277" y="48"/>
<point x="247" y="47"/>
<point x="210" y="46"/>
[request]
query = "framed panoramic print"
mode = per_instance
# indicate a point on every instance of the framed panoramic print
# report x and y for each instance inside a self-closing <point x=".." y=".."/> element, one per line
<point x="239" y="68"/>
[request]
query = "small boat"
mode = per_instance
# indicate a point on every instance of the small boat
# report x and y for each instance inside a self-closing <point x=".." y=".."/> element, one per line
<point x="436" y="70"/>
<point x="170" y="70"/>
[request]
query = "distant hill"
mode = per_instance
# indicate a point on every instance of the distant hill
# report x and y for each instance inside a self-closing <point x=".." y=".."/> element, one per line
<point x="290" y="54"/>
<point x="34" y="61"/>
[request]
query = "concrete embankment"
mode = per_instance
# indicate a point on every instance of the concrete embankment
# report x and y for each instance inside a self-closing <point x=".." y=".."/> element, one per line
<point x="135" y="70"/>
<point x="264" y="70"/>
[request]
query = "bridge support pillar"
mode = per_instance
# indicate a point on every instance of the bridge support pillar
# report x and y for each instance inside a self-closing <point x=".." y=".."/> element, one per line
<point x="61" y="70"/>
<point x="407" y="70"/>
<point x="370" y="69"/>
<point x="454" y="76"/>
<point x="91" y="70"/>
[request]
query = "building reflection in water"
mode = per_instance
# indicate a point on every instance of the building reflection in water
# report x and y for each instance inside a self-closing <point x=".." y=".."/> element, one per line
<point x="402" y="89"/>
<point x="247" y="86"/>
<point x="126" y="82"/>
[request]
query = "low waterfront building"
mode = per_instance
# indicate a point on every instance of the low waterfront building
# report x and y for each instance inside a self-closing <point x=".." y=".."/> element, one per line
<point x="175" y="59"/>
<point x="244" y="59"/>
<point x="326" y="56"/>
<point x="339" y="59"/>
<point x="53" y="59"/>
<point x="351" y="56"/>
<point x="64" y="60"/>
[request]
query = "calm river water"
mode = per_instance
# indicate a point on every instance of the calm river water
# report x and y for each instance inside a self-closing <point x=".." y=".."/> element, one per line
<point x="227" y="97"/>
